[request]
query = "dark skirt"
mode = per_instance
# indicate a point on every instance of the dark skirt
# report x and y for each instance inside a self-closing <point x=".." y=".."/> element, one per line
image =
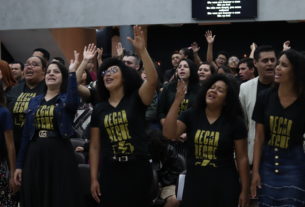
<point x="211" y="187"/>
<point x="50" y="176"/>
<point x="127" y="184"/>
<point x="283" y="177"/>
<point x="6" y="197"/>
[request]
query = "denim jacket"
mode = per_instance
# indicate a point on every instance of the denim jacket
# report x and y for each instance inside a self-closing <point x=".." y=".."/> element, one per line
<point x="65" y="109"/>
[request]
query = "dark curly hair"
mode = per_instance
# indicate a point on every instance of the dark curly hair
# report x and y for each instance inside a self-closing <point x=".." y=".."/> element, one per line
<point x="131" y="79"/>
<point x="232" y="107"/>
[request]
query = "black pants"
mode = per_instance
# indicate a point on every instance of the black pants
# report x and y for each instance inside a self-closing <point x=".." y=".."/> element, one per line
<point x="211" y="187"/>
<point x="126" y="183"/>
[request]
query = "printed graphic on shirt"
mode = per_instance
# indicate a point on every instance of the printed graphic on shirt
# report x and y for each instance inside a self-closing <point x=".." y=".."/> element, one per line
<point x="206" y="143"/>
<point x="44" y="117"/>
<point x="20" y="107"/>
<point x="116" y="125"/>
<point x="183" y="106"/>
<point x="280" y="129"/>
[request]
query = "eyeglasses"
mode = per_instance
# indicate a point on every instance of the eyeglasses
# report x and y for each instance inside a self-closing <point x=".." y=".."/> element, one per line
<point x="33" y="64"/>
<point x="110" y="71"/>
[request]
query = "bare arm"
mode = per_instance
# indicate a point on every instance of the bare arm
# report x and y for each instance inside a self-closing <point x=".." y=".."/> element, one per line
<point x="148" y="88"/>
<point x="99" y="56"/>
<point x="94" y="155"/>
<point x="257" y="153"/>
<point x="210" y="40"/>
<point x="83" y="91"/>
<point x="88" y="53"/>
<point x="196" y="49"/>
<point x="243" y="168"/>
<point x="286" y="45"/>
<point x="253" y="46"/>
<point x="173" y="128"/>
<point x="74" y="63"/>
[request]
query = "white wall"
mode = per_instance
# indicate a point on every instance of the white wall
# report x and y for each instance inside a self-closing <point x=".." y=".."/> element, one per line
<point x="21" y="43"/>
<point x="32" y="14"/>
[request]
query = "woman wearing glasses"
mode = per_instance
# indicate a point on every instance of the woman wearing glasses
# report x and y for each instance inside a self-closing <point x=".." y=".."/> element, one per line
<point x="19" y="96"/>
<point x="118" y="140"/>
<point x="46" y="167"/>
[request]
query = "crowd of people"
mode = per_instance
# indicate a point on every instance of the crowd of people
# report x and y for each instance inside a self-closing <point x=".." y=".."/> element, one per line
<point x="234" y="126"/>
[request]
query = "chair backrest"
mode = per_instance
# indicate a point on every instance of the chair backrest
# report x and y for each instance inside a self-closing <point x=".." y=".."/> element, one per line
<point x="80" y="158"/>
<point x="77" y="142"/>
<point x="182" y="160"/>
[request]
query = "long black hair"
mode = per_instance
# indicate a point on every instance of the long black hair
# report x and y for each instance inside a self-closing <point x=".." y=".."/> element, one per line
<point x="297" y="61"/>
<point x="232" y="107"/>
<point x="193" y="81"/>
<point x="131" y="79"/>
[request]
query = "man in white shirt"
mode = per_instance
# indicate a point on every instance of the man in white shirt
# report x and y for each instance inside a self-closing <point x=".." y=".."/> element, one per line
<point x="265" y="61"/>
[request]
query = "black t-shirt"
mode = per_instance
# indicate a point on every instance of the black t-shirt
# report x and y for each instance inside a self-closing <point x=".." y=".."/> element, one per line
<point x="169" y="74"/>
<point x="284" y="127"/>
<point x="168" y="95"/>
<point x="211" y="144"/>
<point x="261" y="87"/>
<point x="121" y="127"/>
<point x="21" y="105"/>
<point x="18" y="102"/>
<point x="45" y="115"/>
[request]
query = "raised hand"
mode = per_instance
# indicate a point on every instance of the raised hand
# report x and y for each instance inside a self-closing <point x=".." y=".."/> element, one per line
<point x="119" y="49"/>
<point x="210" y="38"/>
<point x="286" y="45"/>
<point x="138" y="42"/>
<point x="181" y="90"/>
<point x="99" y="53"/>
<point x="74" y="62"/>
<point x="253" y="46"/>
<point x="99" y="56"/>
<point x="195" y="47"/>
<point x="89" y="52"/>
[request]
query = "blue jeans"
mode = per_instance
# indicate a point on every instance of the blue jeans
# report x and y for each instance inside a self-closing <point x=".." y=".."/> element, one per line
<point x="283" y="177"/>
